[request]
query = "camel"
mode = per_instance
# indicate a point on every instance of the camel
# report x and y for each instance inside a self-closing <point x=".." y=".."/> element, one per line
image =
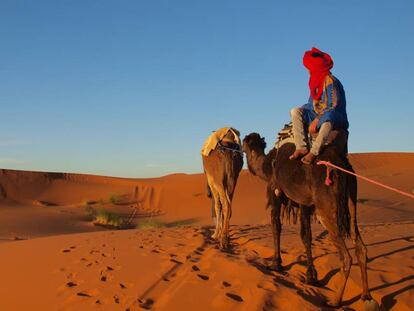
<point x="291" y="182"/>
<point x="222" y="165"/>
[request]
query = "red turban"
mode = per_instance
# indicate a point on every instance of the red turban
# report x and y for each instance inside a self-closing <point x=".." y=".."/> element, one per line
<point x="319" y="65"/>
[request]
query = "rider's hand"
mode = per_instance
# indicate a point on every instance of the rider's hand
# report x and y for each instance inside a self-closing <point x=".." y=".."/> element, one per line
<point x="313" y="127"/>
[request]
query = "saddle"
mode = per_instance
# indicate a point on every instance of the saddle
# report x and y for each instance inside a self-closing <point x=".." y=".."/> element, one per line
<point x="223" y="136"/>
<point x="337" y="138"/>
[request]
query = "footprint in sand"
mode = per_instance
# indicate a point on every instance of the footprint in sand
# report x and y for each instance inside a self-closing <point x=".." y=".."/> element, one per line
<point x="195" y="268"/>
<point x="70" y="275"/>
<point x="146" y="303"/>
<point x="71" y="284"/>
<point x="176" y="261"/>
<point x="226" y="284"/>
<point x="66" y="251"/>
<point x="88" y="293"/>
<point x="203" y="277"/>
<point x="234" y="297"/>
<point x="116" y="299"/>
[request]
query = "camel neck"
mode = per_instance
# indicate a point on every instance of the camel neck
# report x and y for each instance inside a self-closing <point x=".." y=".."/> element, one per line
<point x="256" y="162"/>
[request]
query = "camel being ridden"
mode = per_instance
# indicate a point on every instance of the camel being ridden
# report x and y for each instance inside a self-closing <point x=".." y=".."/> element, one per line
<point x="334" y="205"/>
<point x="222" y="161"/>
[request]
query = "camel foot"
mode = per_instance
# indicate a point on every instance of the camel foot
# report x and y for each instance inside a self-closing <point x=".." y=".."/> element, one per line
<point x="311" y="276"/>
<point x="277" y="267"/>
<point x="298" y="154"/>
<point x="225" y="242"/>
<point x="309" y="158"/>
<point x="371" y="305"/>
<point x="214" y="236"/>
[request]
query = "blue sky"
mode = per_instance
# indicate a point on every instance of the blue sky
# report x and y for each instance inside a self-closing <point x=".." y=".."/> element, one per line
<point x="133" y="88"/>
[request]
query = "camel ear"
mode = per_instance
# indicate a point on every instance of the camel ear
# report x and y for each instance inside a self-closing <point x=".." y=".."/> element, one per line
<point x="263" y="142"/>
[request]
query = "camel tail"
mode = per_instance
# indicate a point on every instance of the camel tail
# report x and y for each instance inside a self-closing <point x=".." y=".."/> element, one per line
<point x="344" y="216"/>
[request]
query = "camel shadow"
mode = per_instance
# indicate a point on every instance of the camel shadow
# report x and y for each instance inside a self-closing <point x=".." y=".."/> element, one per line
<point x="308" y="294"/>
<point x="391" y="252"/>
<point x="263" y="267"/>
<point x="388" y="301"/>
<point x="409" y="239"/>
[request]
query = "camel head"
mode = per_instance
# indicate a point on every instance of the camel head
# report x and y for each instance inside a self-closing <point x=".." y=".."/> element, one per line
<point x="254" y="146"/>
<point x="253" y="142"/>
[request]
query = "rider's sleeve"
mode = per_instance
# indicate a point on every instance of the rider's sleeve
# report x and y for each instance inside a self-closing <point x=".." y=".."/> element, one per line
<point x="331" y="94"/>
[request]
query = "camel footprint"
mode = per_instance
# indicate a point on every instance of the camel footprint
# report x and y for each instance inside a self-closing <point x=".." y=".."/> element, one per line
<point x="203" y="277"/>
<point x="234" y="297"/>
<point x="88" y="293"/>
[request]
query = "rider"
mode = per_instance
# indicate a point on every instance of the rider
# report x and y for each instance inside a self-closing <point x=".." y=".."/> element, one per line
<point x="325" y="110"/>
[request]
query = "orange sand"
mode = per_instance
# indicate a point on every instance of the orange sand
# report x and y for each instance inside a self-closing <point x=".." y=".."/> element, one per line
<point x="50" y="259"/>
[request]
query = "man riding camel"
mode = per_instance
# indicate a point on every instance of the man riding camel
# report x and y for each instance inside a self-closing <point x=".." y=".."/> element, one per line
<point x="325" y="110"/>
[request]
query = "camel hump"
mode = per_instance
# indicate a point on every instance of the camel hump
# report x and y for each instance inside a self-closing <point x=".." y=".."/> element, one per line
<point x="285" y="136"/>
<point x="223" y="135"/>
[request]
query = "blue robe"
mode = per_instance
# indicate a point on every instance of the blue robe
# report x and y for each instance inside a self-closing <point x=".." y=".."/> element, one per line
<point x="331" y="106"/>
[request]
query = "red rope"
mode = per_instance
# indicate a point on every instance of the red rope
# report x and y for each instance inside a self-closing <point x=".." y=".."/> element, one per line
<point x="366" y="179"/>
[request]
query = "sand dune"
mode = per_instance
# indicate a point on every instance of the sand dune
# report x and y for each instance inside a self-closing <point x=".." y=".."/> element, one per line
<point x="52" y="261"/>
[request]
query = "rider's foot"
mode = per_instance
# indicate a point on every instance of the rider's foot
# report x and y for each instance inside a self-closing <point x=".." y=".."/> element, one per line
<point x="309" y="158"/>
<point x="298" y="154"/>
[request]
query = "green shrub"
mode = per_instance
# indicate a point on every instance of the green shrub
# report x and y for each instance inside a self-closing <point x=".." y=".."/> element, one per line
<point x="104" y="217"/>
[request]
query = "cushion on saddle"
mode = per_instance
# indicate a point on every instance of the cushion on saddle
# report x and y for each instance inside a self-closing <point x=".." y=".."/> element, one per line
<point x="220" y="136"/>
<point x="285" y="136"/>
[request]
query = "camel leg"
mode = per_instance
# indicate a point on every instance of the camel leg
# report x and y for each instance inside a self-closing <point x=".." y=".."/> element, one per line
<point x="276" y="230"/>
<point x="360" y="248"/>
<point x="346" y="260"/>
<point x="218" y="210"/>
<point x="360" y="251"/>
<point x="306" y="235"/>
<point x="226" y="213"/>
<point x="361" y="255"/>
